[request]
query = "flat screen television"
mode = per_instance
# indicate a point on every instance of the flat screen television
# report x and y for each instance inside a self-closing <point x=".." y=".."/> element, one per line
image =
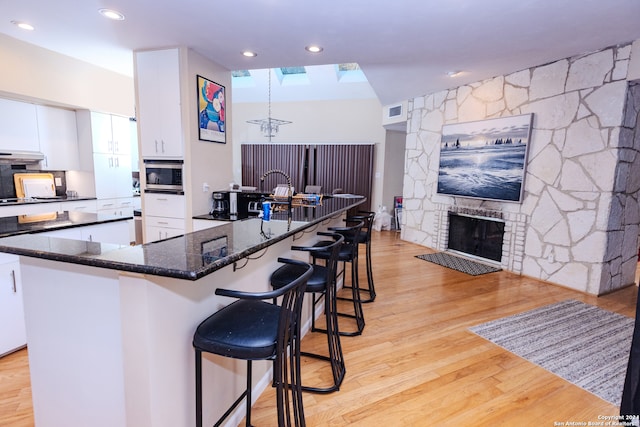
<point x="485" y="159"/>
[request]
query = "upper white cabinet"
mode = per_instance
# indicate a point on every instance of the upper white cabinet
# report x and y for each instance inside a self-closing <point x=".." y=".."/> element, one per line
<point x="18" y="126"/>
<point x="105" y="149"/>
<point x="58" y="137"/>
<point x="110" y="134"/>
<point x="159" y="112"/>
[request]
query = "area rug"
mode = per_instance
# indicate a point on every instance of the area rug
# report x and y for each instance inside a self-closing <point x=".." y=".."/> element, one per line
<point x="458" y="263"/>
<point x="581" y="343"/>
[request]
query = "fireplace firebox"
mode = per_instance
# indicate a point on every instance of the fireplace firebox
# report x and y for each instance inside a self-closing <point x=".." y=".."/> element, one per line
<point x="478" y="236"/>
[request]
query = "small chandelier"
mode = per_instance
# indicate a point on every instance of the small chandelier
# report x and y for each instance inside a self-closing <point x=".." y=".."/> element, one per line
<point x="269" y="126"/>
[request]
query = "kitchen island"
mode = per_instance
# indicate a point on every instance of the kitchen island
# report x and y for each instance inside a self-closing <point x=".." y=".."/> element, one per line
<point x="109" y="327"/>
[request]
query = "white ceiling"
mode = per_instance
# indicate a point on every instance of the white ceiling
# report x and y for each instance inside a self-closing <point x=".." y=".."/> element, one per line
<point x="404" y="47"/>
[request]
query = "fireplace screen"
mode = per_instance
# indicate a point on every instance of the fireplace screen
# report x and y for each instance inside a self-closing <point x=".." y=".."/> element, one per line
<point x="481" y="237"/>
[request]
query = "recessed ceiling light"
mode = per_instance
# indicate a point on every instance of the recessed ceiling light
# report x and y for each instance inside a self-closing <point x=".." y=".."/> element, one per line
<point x="23" y="25"/>
<point x="249" y="54"/>
<point x="112" y="14"/>
<point x="313" y="49"/>
<point x="454" y="73"/>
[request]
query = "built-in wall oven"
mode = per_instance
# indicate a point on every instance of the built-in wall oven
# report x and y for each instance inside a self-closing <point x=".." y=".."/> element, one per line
<point x="163" y="176"/>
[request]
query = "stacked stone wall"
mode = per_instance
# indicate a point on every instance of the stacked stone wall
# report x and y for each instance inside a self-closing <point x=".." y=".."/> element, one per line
<point x="578" y="223"/>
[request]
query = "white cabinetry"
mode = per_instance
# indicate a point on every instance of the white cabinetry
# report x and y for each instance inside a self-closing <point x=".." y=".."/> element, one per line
<point x="164" y="216"/>
<point x="105" y="147"/>
<point x="79" y="206"/>
<point x="58" y="135"/>
<point x="111" y="232"/>
<point x="117" y="207"/>
<point x="159" y="112"/>
<point x="18" y="126"/>
<point x="12" y="332"/>
<point x="203" y="224"/>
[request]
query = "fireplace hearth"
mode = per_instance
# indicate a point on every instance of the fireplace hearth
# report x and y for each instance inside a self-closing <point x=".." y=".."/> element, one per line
<point x="478" y="236"/>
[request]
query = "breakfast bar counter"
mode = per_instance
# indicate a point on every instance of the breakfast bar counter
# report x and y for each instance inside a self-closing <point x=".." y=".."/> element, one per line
<point x="109" y="327"/>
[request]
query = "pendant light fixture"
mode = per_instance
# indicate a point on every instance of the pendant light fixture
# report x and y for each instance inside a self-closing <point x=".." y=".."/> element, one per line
<point x="269" y="126"/>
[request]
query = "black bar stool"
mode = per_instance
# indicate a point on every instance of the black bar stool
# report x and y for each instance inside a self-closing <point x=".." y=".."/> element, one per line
<point x="252" y="329"/>
<point x="348" y="254"/>
<point x="323" y="284"/>
<point x="364" y="238"/>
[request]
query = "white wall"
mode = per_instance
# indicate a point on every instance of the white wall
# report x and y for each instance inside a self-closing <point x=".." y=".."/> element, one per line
<point x="316" y="122"/>
<point x="34" y="74"/>
<point x="206" y="162"/>
<point x="393" y="168"/>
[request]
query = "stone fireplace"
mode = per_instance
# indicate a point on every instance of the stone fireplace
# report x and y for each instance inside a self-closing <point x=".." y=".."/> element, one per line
<point x="511" y="227"/>
<point x="477" y="236"/>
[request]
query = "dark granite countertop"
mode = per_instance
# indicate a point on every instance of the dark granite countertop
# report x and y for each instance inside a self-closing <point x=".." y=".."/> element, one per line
<point x="34" y="200"/>
<point x="191" y="256"/>
<point x="35" y="223"/>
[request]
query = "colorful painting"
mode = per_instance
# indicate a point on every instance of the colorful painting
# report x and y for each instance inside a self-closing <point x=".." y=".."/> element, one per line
<point x="211" y="111"/>
<point x="485" y="159"/>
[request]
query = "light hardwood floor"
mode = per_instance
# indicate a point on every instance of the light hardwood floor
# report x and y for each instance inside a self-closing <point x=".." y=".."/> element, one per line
<point x="416" y="364"/>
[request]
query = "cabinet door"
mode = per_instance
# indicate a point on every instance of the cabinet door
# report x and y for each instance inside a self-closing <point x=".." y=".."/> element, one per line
<point x="203" y="224"/>
<point x="58" y="138"/>
<point x="79" y="205"/>
<point x="164" y="205"/>
<point x="154" y="233"/>
<point x="18" y="126"/>
<point x="101" y="134"/>
<point x="112" y="232"/>
<point x="112" y="176"/>
<point x="159" y="112"/>
<point x="12" y="332"/>
<point x="121" y="131"/>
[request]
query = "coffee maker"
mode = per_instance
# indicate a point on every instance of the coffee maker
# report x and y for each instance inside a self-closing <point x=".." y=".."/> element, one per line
<point x="220" y="204"/>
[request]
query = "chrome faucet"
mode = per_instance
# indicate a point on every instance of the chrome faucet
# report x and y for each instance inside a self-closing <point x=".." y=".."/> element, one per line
<point x="289" y="192"/>
<point x="272" y="171"/>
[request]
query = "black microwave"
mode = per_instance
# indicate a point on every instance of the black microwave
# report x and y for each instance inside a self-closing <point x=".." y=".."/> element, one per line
<point x="164" y="176"/>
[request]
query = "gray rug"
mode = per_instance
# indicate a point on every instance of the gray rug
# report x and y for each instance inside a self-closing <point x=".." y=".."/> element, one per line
<point x="458" y="263"/>
<point x="583" y="344"/>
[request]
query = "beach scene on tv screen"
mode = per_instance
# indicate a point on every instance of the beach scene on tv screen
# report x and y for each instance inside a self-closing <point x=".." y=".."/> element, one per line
<point x="484" y="159"/>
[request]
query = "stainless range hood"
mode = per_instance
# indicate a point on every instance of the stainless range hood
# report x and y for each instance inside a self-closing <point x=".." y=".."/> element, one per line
<point x="20" y="157"/>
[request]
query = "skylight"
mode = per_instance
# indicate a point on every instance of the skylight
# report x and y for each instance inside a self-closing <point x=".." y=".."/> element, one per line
<point x="289" y="71"/>
<point x="241" y="73"/>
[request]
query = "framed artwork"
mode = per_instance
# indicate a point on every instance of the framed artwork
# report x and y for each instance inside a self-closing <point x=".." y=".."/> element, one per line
<point x="211" y="111"/>
<point x="485" y="159"/>
<point x="215" y="249"/>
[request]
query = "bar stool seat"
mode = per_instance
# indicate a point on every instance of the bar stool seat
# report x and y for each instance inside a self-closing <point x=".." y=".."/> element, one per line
<point x="322" y="282"/>
<point x="252" y="329"/>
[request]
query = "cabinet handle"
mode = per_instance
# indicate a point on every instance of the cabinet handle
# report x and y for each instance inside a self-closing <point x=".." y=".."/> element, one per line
<point x="107" y="204"/>
<point x="13" y="278"/>
<point x="156" y="141"/>
<point x="162" y="200"/>
<point x="117" y="162"/>
<point x="163" y="222"/>
<point x="163" y="146"/>
<point x="115" y="146"/>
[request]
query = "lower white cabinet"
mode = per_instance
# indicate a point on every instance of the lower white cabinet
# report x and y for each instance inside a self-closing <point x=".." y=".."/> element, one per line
<point x="164" y="216"/>
<point x="117" y="232"/>
<point x="12" y="333"/>
<point x="79" y="206"/>
<point x="160" y="228"/>
<point x="203" y="224"/>
<point x="119" y="207"/>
